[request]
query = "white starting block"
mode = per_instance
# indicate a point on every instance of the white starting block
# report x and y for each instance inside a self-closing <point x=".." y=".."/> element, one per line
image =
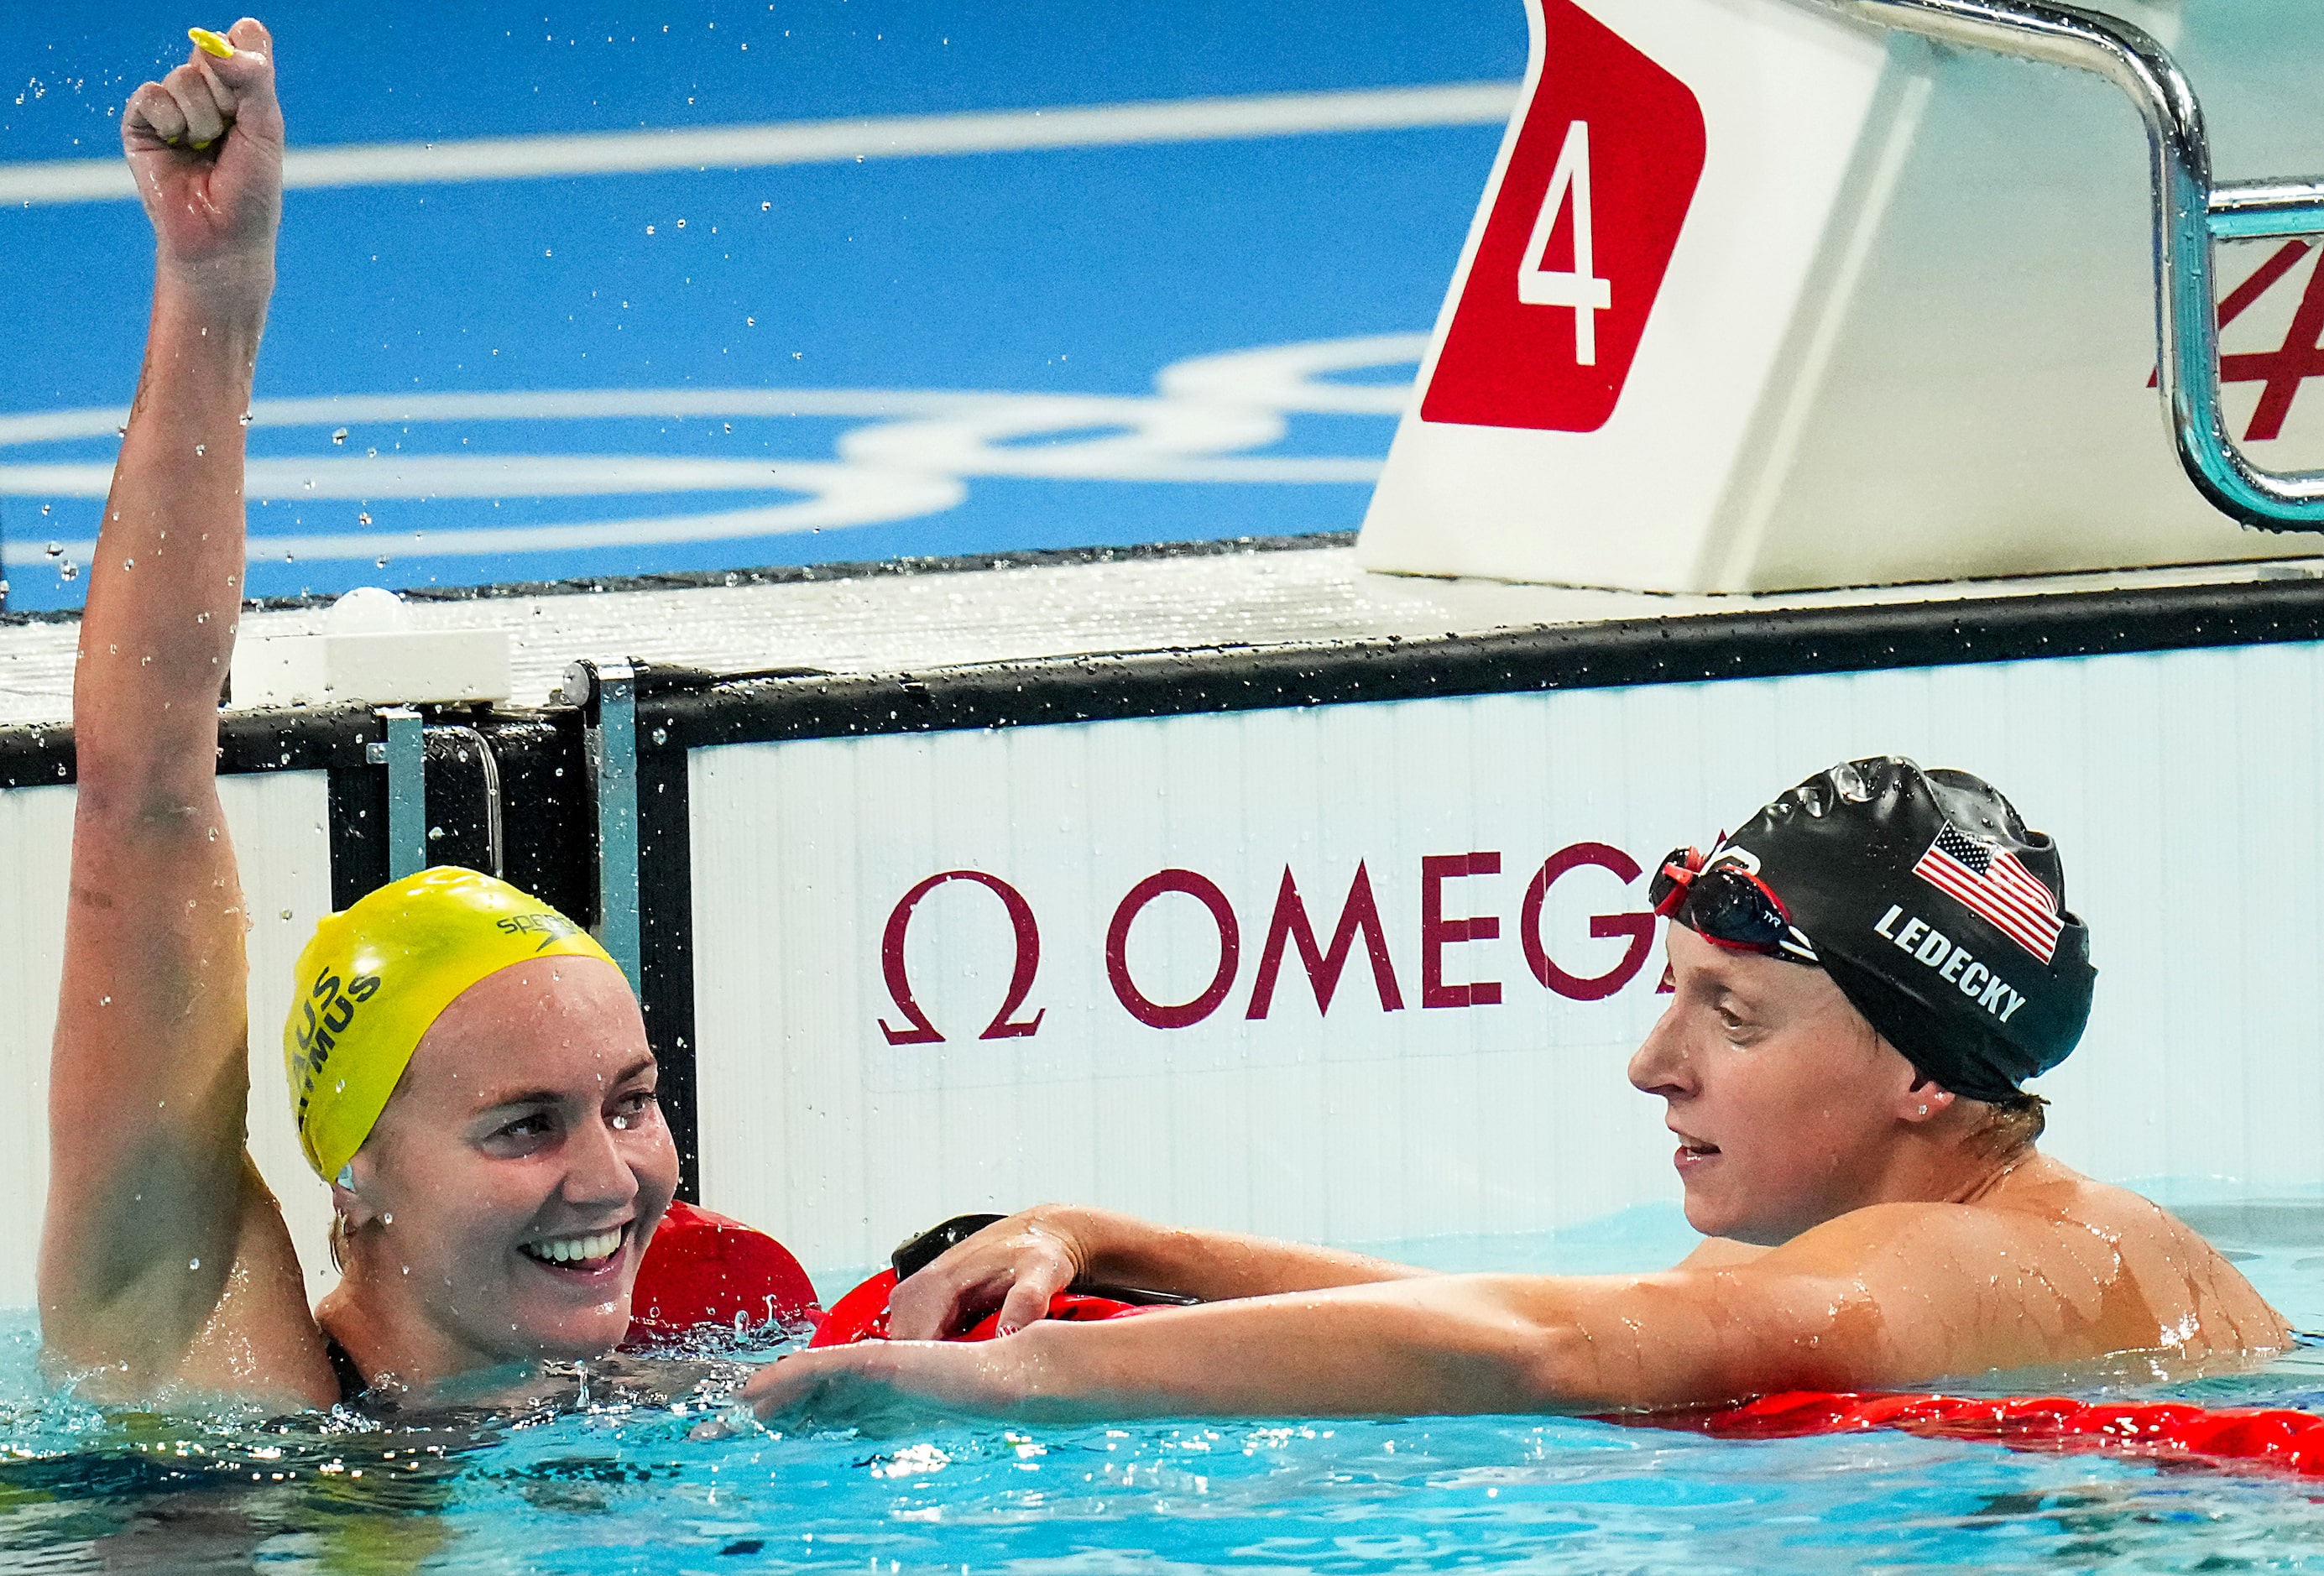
<point x="1779" y="294"/>
<point x="369" y="653"/>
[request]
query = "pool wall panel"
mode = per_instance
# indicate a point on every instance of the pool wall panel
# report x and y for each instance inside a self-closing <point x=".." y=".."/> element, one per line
<point x="2181" y="786"/>
<point x="277" y="821"/>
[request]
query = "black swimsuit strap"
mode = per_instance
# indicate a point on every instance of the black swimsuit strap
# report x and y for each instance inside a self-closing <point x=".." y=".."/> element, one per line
<point x="352" y="1383"/>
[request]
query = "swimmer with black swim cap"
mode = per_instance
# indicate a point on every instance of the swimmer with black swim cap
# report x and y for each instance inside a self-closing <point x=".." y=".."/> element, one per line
<point x="1935" y="914"/>
<point x="468" y="1069"/>
<point x="1863" y="978"/>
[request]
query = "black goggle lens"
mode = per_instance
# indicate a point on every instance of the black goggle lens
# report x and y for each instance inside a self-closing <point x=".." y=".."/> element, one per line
<point x="1729" y="906"/>
<point x="1723" y="903"/>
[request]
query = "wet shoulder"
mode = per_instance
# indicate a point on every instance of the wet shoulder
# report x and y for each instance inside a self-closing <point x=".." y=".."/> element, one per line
<point x="2197" y="1299"/>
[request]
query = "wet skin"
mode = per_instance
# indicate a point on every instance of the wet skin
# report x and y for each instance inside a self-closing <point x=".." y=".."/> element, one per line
<point x="1788" y="1108"/>
<point x="526" y="1116"/>
<point x="526" y="1119"/>
<point x="1870" y="1233"/>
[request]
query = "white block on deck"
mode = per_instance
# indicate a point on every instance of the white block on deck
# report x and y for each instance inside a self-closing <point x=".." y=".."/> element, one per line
<point x="368" y="652"/>
<point x="1904" y="332"/>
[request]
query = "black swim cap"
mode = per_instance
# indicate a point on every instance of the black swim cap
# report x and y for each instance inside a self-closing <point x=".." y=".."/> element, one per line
<point x="1939" y="915"/>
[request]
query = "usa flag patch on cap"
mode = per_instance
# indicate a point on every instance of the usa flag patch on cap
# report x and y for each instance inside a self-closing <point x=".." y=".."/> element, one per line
<point x="1991" y="883"/>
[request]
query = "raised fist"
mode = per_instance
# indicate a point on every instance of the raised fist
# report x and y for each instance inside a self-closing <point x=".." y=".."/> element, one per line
<point x="206" y="145"/>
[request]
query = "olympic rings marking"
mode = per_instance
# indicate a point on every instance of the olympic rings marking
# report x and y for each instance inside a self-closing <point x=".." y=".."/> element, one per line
<point x="910" y="459"/>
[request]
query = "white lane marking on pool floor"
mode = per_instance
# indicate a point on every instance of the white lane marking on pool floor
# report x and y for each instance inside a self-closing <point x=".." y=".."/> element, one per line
<point x="821" y="142"/>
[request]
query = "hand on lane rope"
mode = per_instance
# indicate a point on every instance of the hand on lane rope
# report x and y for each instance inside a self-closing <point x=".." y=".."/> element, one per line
<point x="1017" y="1265"/>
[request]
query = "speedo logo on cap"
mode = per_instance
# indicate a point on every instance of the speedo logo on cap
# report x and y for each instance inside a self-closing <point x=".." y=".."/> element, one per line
<point x="1933" y="949"/>
<point x="549" y="925"/>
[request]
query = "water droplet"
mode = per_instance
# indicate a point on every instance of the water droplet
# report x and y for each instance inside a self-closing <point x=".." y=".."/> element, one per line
<point x="765" y="206"/>
<point x="371" y="453"/>
<point x="44" y="508"/>
<point x="129" y="563"/>
<point x="435" y="834"/>
<point x="730" y="427"/>
<point x="195" y="1264"/>
<point x="54" y="549"/>
<point x="200" y="449"/>
<point x="380" y="562"/>
<point x="681" y="224"/>
<point x="363" y="517"/>
<point x="105" y="1001"/>
<point x="340" y="436"/>
<point x="243" y="417"/>
<point x="649" y="229"/>
<point x="121" y="432"/>
<point x="69" y="570"/>
<point x="661" y="735"/>
<point x="286" y="913"/>
<point x="750" y="322"/>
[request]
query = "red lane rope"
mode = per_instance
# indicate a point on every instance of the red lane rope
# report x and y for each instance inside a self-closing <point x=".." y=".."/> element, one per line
<point x="2276" y="1437"/>
<point x="704" y="1269"/>
<point x="862" y="1313"/>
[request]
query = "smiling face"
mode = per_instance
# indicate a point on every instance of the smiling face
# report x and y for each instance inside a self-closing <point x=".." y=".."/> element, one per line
<point x="1790" y="1111"/>
<point x="504" y="1199"/>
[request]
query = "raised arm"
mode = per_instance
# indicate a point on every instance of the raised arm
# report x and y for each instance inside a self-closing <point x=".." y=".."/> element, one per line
<point x="163" y="1259"/>
<point x="1017" y="1265"/>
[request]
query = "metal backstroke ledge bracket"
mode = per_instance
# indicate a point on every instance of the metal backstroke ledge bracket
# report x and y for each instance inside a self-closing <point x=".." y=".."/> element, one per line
<point x="2191" y="214"/>
<point x="404" y="753"/>
<point x="606" y="693"/>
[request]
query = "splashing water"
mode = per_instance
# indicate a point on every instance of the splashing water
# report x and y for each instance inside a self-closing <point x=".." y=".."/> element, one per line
<point x="606" y="1472"/>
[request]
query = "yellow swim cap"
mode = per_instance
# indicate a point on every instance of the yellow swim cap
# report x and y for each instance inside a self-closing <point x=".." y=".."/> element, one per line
<point x="374" y="976"/>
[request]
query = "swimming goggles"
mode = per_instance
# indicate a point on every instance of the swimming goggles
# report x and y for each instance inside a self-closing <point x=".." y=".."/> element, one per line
<point x="1727" y="905"/>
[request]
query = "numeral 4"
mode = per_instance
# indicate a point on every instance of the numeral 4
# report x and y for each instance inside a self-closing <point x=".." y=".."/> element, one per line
<point x="1541" y="287"/>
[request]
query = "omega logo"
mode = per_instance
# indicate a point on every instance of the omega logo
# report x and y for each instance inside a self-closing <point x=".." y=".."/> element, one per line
<point x="1291" y="932"/>
<point x="920" y="1032"/>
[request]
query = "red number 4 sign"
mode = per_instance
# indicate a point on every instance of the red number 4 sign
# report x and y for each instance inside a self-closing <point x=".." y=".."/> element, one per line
<point x="2286" y="370"/>
<point x="1582" y="231"/>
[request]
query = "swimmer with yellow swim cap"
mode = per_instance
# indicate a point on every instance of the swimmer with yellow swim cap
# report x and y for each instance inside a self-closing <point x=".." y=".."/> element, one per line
<point x="468" y="1070"/>
<point x="377" y="977"/>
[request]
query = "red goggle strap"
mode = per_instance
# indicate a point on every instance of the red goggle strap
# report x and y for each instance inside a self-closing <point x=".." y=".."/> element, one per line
<point x="1682" y="876"/>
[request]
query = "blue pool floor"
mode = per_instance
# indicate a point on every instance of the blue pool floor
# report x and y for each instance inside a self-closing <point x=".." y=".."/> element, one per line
<point x="1019" y="277"/>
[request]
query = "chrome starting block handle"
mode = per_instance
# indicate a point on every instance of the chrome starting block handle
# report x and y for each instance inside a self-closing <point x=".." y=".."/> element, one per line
<point x="2190" y="214"/>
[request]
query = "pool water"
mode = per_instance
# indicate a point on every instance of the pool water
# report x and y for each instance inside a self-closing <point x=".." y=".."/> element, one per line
<point x="612" y="1480"/>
